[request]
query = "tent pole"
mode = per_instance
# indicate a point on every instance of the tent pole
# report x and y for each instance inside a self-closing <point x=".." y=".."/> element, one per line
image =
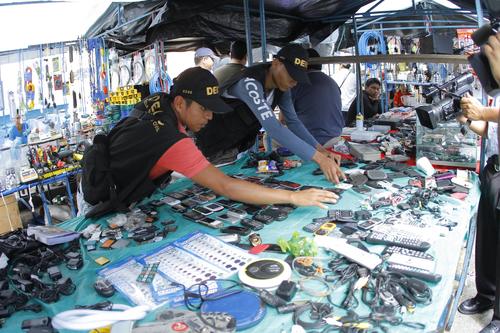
<point x="263" y="30"/>
<point x="248" y="32"/>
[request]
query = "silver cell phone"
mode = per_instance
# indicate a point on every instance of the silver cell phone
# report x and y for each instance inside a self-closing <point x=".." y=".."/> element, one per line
<point x="214" y="207"/>
<point x="366" y="225"/>
<point x="210" y="222"/>
<point x="202" y="210"/>
<point x="171" y="201"/>
<point x="228" y="218"/>
<point x="239" y="213"/>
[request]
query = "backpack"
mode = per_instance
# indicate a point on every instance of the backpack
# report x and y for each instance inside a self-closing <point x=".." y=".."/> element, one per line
<point x="97" y="183"/>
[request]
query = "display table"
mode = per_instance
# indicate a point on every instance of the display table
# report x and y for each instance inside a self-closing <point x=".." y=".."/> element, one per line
<point x="446" y="249"/>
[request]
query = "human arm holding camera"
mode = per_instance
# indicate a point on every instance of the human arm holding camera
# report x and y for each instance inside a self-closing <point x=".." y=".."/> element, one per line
<point x="478" y="114"/>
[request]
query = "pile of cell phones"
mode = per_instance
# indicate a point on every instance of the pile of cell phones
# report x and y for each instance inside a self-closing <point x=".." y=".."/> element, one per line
<point x="199" y="206"/>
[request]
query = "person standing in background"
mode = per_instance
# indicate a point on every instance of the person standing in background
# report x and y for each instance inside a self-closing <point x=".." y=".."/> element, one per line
<point x="205" y="58"/>
<point x="238" y="54"/>
<point x="19" y="130"/>
<point x="346" y="80"/>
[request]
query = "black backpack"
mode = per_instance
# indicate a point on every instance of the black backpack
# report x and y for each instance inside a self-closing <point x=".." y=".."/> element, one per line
<point x="97" y="183"/>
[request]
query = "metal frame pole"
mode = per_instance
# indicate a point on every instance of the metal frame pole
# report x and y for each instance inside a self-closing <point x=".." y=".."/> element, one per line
<point x="248" y="32"/>
<point x="263" y="41"/>
<point x="359" y="99"/>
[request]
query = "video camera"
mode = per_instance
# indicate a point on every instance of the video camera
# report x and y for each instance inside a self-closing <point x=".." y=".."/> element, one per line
<point x="479" y="61"/>
<point x="445" y="100"/>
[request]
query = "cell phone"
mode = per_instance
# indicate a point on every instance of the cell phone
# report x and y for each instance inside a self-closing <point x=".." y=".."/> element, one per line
<point x="362" y="189"/>
<point x="202" y="210"/>
<point x="120" y="244"/>
<point x="228" y="218"/>
<point x="276" y="213"/>
<point x="177" y="195"/>
<point x="179" y="208"/>
<point x="307" y="187"/>
<point x="312" y="227"/>
<point x="251" y="209"/>
<point x="210" y="222"/>
<point x="264" y="218"/>
<point x="233" y="229"/>
<point x="190" y="203"/>
<point x="157" y="203"/>
<point x="171" y="201"/>
<point x="199" y="198"/>
<point x="325" y="229"/>
<point x="192" y="215"/>
<point x="209" y="195"/>
<point x="229" y="238"/>
<point x="290" y="185"/>
<point x="366" y="225"/>
<point x="239" y="213"/>
<point x="228" y="203"/>
<point x="252" y="224"/>
<point x="107" y="244"/>
<point x="214" y="207"/>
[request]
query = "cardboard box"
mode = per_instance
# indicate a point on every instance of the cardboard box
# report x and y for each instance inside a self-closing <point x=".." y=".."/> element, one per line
<point x="12" y="211"/>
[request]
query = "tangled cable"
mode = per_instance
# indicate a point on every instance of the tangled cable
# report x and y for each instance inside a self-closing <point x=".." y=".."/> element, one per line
<point x="158" y="79"/>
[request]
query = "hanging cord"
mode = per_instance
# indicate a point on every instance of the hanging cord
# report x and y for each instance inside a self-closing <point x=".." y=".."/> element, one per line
<point x="85" y="319"/>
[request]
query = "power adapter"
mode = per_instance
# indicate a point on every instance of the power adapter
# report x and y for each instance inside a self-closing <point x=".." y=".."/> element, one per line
<point x="287" y="290"/>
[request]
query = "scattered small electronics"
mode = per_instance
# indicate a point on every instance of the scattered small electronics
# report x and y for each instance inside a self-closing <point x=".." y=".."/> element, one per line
<point x="172" y="321"/>
<point x="364" y="152"/>
<point x="364" y="136"/>
<point x="266" y="273"/>
<point x="246" y="316"/>
<point x="28" y="174"/>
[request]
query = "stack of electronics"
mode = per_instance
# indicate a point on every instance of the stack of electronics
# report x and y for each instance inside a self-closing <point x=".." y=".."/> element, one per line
<point x="196" y="204"/>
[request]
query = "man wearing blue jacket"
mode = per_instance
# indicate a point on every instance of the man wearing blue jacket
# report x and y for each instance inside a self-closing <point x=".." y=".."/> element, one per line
<point x="254" y="95"/>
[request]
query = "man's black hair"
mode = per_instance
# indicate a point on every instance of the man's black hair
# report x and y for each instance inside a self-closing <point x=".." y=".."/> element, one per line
<point x="371" y="81"/>
<point x="238" y="50"/>
<point x="312" y="53"/>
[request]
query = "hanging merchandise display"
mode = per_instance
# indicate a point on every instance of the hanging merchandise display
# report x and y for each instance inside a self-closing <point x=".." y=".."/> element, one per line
<point x="114" y="70"/>
<point x="55" y="65"/>
<point x="29" y="88"/>
<point x="124" y="70"/>
<point x="137" y="69"/>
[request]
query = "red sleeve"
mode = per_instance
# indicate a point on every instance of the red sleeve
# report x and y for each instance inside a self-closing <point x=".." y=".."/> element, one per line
<point x="183" y="157"/>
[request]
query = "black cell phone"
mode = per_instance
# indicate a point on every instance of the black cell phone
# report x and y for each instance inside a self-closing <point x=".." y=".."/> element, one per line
<point x="276" y="214"/>
<point x="177" y="195"/>
<point x="290" y="185"/>
<point x="252" y="224"/>
<point x="251" y="209"/>
<point x="228" y="203"/>
<point x="179" y="208"/>
<point x="266" y="219"/>
<point x="233" y="229"/>
<point x="362" y="189"/>
<point x="157" y="203"/>
<point x="190" y="203"/>
<point x="192" y="215"/>
<point x="307" y="187"/>
<point x="202" y="210"/>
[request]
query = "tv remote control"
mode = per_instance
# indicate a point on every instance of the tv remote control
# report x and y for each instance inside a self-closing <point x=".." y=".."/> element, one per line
<point x="413" y="243"/>
<point x="414" y="272"/>
<point x="408" y="252"/>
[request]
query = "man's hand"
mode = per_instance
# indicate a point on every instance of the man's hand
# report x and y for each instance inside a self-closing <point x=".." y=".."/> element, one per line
<point x="313" y="197"/>
<point x="472" y="109"/>
<point x="492" y="52"/>
<point x="330" y="168"/>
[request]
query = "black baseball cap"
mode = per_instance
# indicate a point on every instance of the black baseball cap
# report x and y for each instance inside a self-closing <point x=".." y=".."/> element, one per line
<point x="201" y="86"/>
<point x="296" y="60"/>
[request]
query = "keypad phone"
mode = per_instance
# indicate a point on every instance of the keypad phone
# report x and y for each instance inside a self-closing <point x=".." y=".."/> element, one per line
<point x="210" y="222"/>
<point x="228" y="218"/>
<point x="214" y="207"/>
<point x="202" y="210"/>
<point x="192" y="215"/>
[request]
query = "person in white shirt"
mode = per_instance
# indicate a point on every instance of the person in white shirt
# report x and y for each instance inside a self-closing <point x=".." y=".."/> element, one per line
<point x="346" y="79"/>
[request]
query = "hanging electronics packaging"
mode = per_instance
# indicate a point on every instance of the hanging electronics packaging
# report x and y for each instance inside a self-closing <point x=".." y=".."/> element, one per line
<point x="246" y="316"/>
<point x="265" y="273"/>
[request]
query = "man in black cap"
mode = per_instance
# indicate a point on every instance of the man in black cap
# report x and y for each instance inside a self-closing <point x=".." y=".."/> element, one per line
<point x="146" y="147"/>
<point x="253" y="95"/>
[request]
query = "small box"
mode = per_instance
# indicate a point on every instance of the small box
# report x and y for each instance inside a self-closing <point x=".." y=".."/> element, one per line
<point x="9" y="209"/>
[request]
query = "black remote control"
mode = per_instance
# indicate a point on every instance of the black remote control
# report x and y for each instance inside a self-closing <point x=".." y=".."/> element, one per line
<point x="408" y="252"/>
<point x="414" y="272"/>
<point x="376" y="237"/>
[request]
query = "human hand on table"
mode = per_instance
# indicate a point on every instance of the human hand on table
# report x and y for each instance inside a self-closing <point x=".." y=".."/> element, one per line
<point x="331" y="169"/>
<point x="313" y="197"/>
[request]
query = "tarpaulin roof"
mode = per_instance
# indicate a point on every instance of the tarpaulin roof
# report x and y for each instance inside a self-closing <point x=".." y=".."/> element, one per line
<point x="187" y="24"/>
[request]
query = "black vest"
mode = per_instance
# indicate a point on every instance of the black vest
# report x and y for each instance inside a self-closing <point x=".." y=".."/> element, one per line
<point x="135" y="144"/>
<point x="237" y="129"/>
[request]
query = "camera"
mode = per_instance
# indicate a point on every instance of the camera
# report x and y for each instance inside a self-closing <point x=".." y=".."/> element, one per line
<point x="479" y="61"/>
<point x="445" y="100"/>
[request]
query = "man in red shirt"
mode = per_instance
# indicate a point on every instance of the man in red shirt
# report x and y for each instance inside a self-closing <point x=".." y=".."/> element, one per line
<point x="145" y="148"/>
